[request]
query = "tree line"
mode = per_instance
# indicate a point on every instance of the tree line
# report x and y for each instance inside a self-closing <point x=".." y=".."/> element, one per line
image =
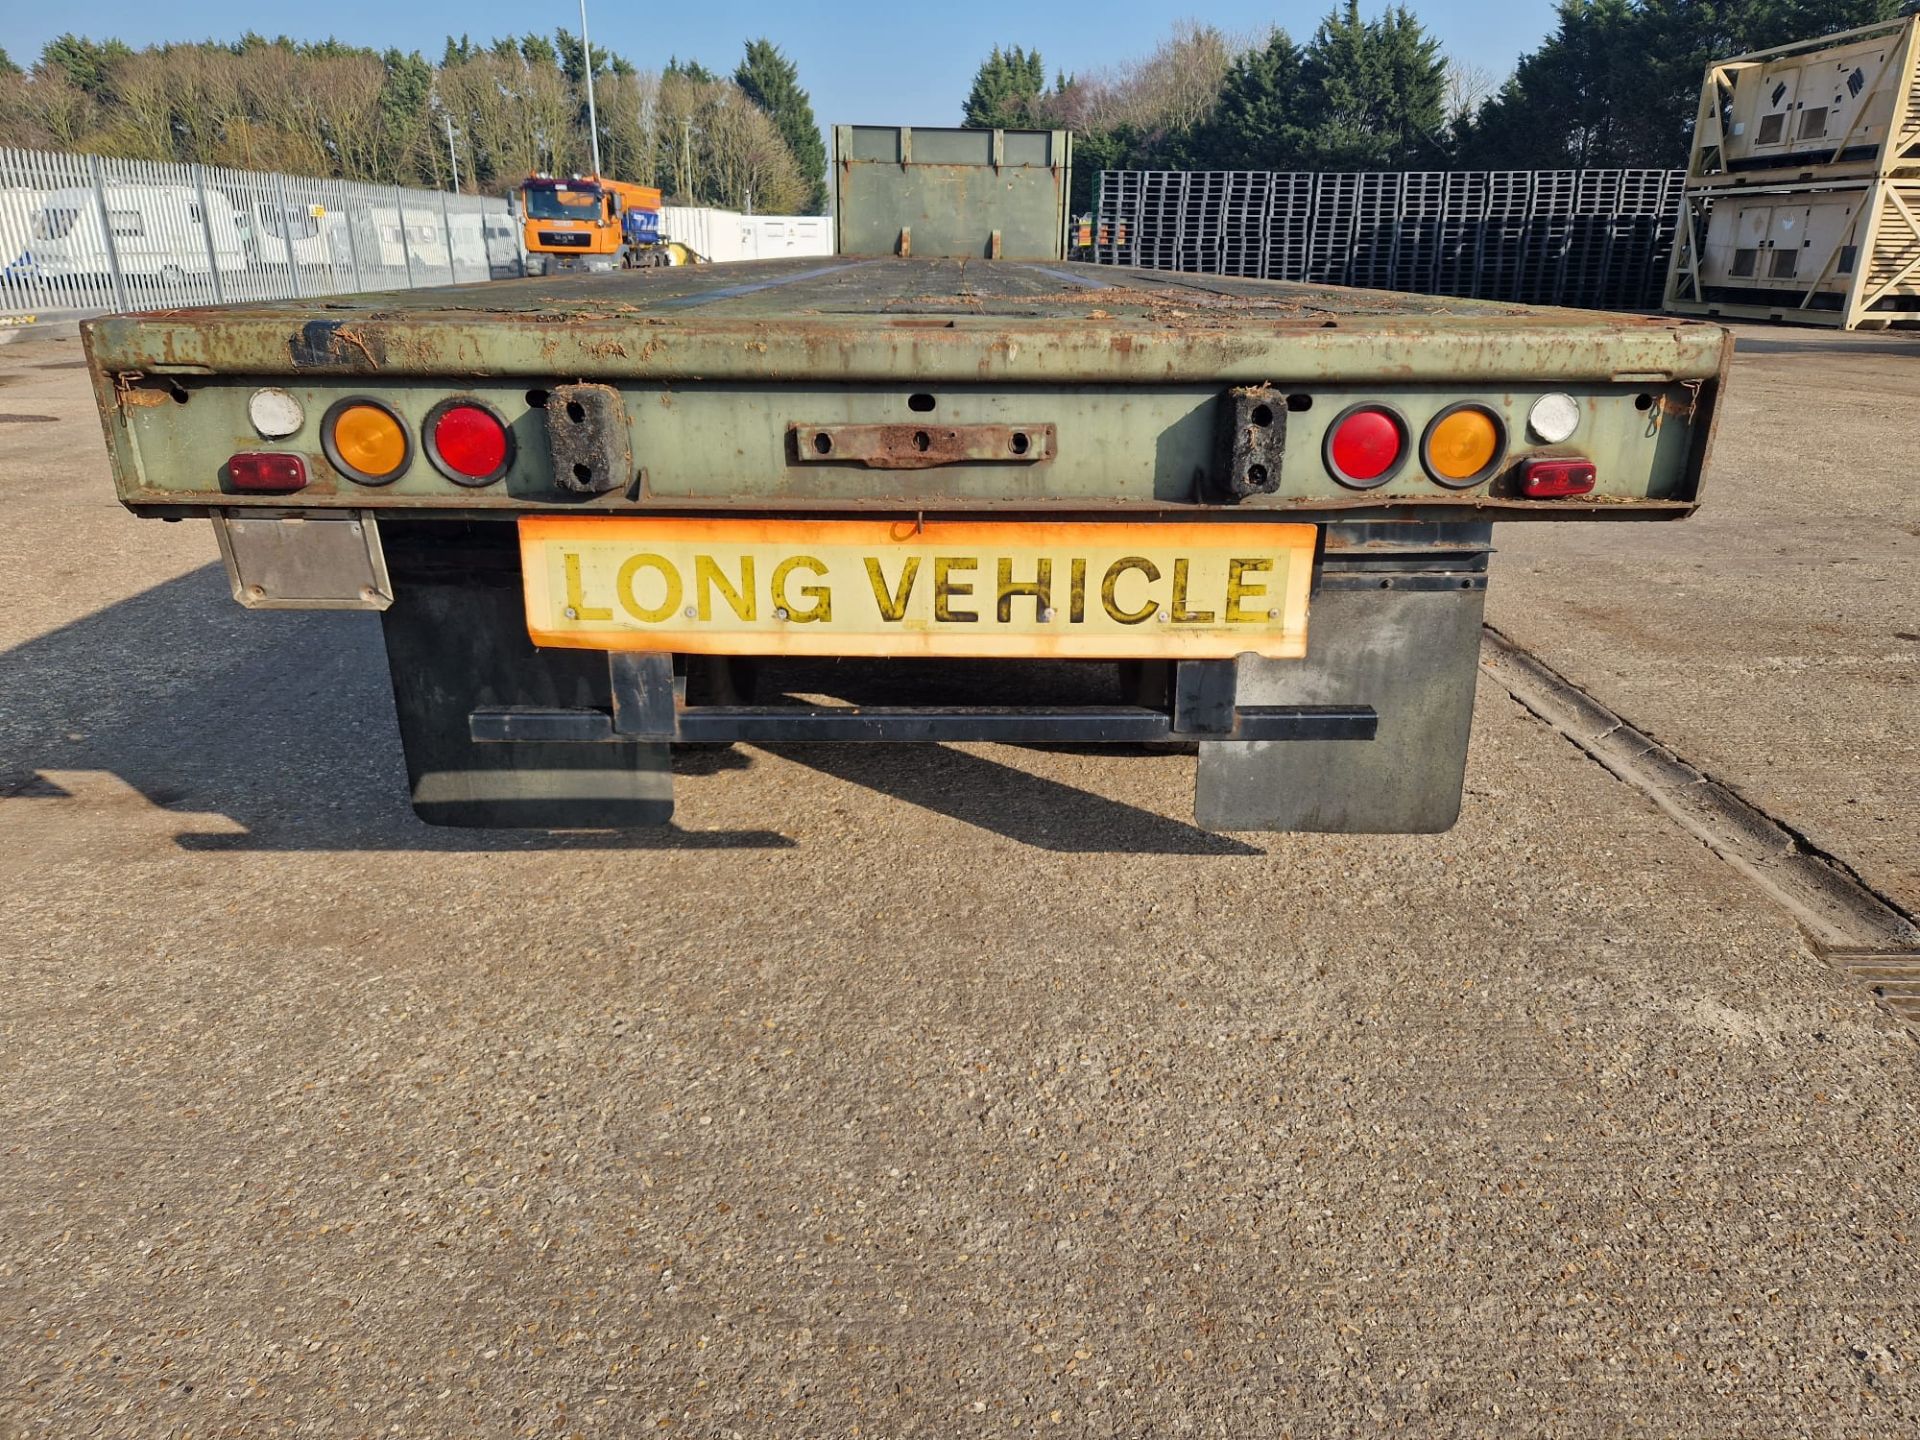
<point x="515" y="105"/>
<point x="1615" y="83"/>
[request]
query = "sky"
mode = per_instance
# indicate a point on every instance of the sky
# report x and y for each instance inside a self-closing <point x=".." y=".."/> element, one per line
<point x="864" y="62"/>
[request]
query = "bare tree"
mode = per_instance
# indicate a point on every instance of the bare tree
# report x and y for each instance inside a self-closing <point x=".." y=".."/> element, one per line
<point x="752" y="166"/>
<point x="1467" y="87"/>
<point x="347" y="100"/>
<point x="142" y="123"/>
<point x="628" y="138"/>
<point x="1173" y="88"/>
<point x="720" y="148"/>
<point x="66" y="112"/>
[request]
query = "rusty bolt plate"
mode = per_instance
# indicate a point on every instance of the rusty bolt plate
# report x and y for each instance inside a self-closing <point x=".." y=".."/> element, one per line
<point x="918" y="447"/>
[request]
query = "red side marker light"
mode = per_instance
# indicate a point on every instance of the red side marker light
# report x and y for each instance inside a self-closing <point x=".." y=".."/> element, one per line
<point x="262" y="472"/>
<point x="1555" y="479"/>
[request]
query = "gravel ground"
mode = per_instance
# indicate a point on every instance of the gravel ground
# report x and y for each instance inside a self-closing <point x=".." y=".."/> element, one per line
<point x="1774" y="639"/>
<point x="962" y="1091"/>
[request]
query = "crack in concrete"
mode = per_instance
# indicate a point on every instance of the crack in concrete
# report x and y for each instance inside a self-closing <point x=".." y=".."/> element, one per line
<point x="1849" y="924"/>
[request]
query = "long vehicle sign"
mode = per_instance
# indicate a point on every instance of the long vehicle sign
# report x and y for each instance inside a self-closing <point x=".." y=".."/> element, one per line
<point x="935" y="588"/>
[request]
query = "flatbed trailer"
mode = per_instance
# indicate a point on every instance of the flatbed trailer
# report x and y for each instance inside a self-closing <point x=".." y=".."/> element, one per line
<point x="581" y="505"/>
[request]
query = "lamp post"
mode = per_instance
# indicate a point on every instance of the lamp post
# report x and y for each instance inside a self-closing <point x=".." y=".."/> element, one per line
<point x="586" y="60"/>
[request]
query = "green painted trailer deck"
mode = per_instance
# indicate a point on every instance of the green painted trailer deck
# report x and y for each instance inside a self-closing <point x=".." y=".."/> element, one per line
<point x="1072" y="454"/>
<point x="718" y="367"/>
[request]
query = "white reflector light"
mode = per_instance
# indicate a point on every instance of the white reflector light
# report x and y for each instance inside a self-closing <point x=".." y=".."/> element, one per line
<point x="1554" y="417"/>
<point x="275" y="413"/>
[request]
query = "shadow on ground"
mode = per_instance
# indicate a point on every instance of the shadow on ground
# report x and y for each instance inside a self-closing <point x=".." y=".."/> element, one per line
<point x="283" y="722"/>
<point x="1866" y="345"/>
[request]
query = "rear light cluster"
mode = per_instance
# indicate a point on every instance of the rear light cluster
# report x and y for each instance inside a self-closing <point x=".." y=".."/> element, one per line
<point x="467" y="442"/>
<point x="262" y="472"/>
<point x="367" y="441"/>
<point x="1464" y="445"/>
<point x="1557" y="479"/>
<point x="1366" y="446"/>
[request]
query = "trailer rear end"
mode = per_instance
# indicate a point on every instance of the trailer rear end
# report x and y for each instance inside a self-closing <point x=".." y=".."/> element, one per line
<point x="1097" y="506"/>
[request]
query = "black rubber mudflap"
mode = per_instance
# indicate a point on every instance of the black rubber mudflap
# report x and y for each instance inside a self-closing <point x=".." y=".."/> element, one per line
<point x="456" y="642"/>
<point x="1401" y="635"/>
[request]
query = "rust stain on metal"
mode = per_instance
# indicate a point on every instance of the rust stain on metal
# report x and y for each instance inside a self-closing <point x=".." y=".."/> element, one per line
<point x="920" y="447"/>
<point x="130" y="394"/>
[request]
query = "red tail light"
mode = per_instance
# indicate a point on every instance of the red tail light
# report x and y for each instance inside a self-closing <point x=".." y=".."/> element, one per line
<point x="1554" y="479"/>
<point x="264" y="473"/>
<point x="468" y="443"/>
<point x="1365" y="446"/>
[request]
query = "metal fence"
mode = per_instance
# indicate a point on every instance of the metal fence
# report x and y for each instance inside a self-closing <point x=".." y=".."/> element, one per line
<point x="79" y="232"/>
<point x="1597" y="238"/>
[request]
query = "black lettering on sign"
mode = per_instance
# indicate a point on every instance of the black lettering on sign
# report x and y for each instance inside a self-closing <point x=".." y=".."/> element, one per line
<point x="822" y="598"/>
<point x="1112" y="581"/>
<point x="892" y="602"/>
<point x="945" y="592"/>
<point x="1040" y="588"/>
<point x="630" y="602"/>
<point x="1181" y="614"/>
<point x="1077" y="595"/>
<point x="1240" y="588"/>
<point x="707" y="574"/>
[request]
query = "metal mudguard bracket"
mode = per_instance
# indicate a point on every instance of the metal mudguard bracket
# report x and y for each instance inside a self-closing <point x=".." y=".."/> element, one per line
<point x="330" y="560"/>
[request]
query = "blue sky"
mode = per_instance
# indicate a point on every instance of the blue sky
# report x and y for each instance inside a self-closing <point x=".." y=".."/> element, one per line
<point x="864" y="61"/>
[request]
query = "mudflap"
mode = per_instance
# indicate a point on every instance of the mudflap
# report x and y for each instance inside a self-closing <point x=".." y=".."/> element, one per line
<point x="1394" y="623"/>
<point x="457" y="642"/>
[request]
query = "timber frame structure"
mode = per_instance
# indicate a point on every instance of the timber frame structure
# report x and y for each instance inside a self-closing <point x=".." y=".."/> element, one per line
<point x="1751" y="132"/>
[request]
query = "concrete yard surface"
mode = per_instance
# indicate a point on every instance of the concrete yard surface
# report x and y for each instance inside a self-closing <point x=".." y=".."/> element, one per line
<point x="930" y="1091"/>
<point x="1774" y="638"/>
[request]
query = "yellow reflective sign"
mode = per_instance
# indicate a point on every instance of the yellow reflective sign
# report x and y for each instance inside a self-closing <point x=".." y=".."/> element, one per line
<point x="940" y="588"/>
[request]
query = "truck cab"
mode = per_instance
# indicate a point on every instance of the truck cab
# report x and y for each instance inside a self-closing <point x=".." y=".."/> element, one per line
<point x="588" y="222"/>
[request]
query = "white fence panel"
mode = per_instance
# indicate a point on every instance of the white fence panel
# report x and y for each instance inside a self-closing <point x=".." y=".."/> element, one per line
<point x="83" y="233"/>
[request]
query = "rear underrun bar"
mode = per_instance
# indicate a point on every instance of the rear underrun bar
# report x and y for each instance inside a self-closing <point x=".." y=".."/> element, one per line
<point x="913" y="724"/>
<point x="645" y="710"/>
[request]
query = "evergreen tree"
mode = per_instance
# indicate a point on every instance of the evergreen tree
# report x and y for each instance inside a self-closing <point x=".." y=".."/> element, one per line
<point x="1376" y="91"/>
<point x="1006" y="90"/>
<point x="1573" y="102"/>
<point x="769" y="80"/>
<point x="85" y="63"/>
<point x="1257" y="124"/>
<point x="405" y="133"/>
<point x="690" y="70"/>
<point x="538" y="52"/>
<point x="1618" y="81"/>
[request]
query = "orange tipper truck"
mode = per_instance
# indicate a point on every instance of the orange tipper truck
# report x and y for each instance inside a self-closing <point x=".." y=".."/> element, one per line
<point x="1075" y="504"/>
<point x="586" y="222"/>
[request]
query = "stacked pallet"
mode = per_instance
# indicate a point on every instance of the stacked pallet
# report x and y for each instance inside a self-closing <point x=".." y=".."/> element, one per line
<point x="1576" y="237"/>
<point x="1802" y="197"/>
